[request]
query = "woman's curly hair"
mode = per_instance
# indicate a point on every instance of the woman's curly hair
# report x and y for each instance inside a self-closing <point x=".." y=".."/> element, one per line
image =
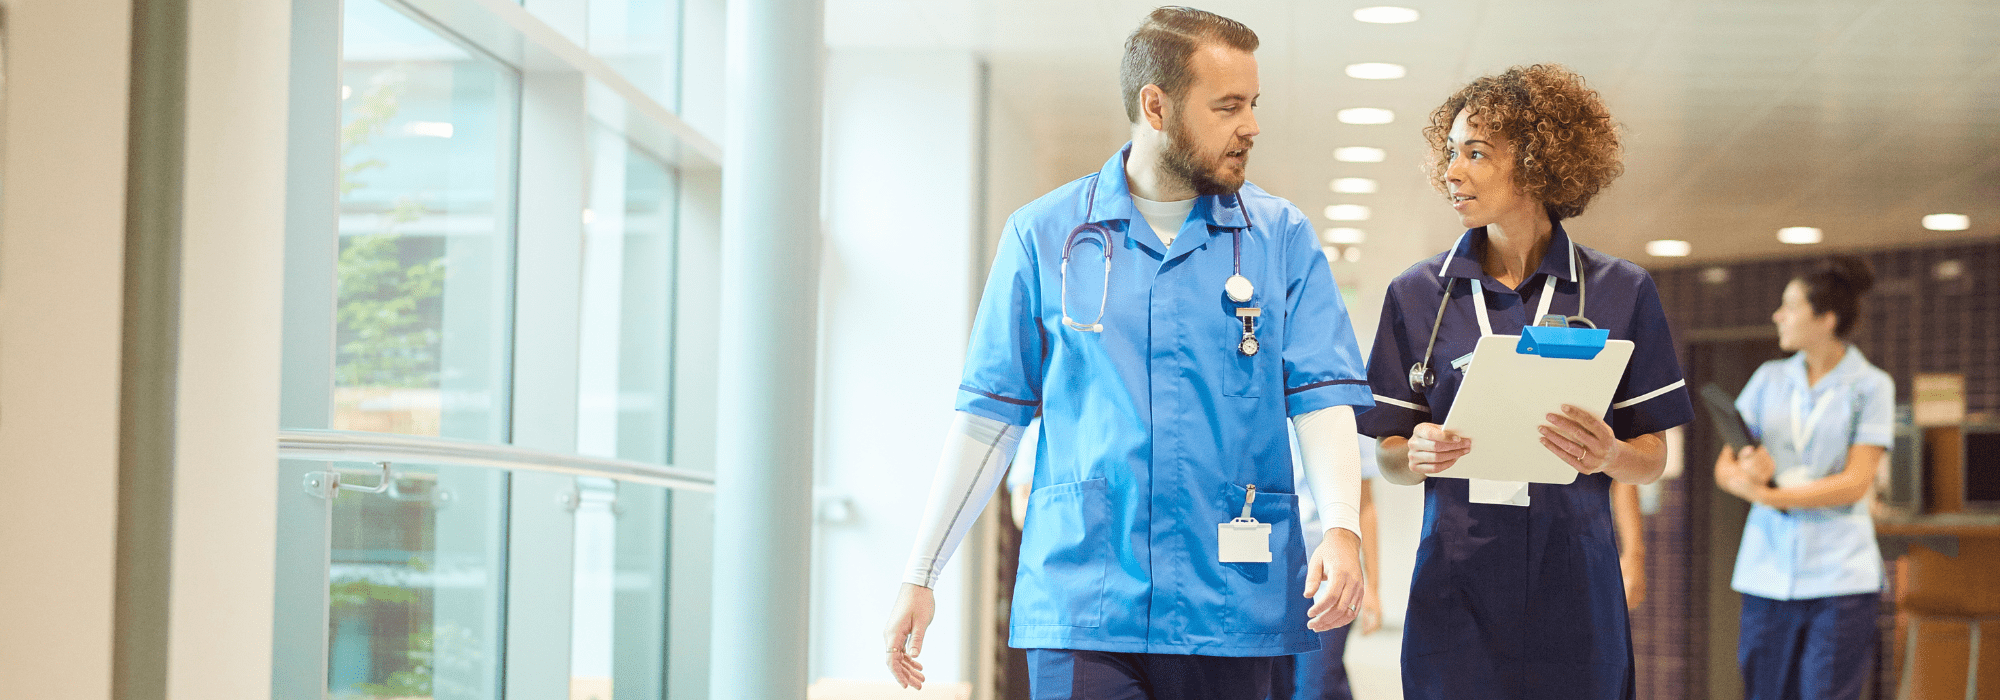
<point x="1565" y="145"/>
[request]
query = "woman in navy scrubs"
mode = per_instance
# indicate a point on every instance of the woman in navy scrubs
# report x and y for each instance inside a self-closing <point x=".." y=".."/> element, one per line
<point x="1809" y="569"/>
<point x="1517" y="591"/>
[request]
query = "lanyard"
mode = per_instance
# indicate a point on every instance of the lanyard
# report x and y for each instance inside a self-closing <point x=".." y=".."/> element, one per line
<point x="1479" y="304"/>
<point x="1801" y="437"/>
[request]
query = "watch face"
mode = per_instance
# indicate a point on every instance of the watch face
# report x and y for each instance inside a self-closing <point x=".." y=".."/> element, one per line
<point x="1248" y="346"/>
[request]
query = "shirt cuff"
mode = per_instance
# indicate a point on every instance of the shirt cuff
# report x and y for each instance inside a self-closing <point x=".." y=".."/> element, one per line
<point x="1327" y="394"/>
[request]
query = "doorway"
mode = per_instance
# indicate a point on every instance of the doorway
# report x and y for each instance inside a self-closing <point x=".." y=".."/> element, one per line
<point x="1726" y="358"/>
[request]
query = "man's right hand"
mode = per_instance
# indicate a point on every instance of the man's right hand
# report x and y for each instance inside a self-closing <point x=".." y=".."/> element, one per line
<point x="904" y="637"/>
<point x="1433" y="449"/>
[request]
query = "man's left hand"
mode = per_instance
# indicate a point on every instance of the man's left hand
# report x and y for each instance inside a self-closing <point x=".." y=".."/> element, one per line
<point x="1333" y="577"/>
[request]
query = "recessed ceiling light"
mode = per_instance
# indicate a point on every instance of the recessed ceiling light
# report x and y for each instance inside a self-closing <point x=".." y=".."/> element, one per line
<point x="1668" y="248"/>
<point x="1354" y="185"/>
<point x="1386" y="15"/>
<point x="1799" y="235"/>
<point x="1346" y="212"/>
<point x="1358" y="154"/>
<point x="1352" y="254"/>
<point x="1715" y="274"/>
<point x="1375" y="71"/>
<point x="1344" y="236"/>
<point x="1947" y="222"/>
<point x="1366" y="115"/>
<point x="1332" y="252"/>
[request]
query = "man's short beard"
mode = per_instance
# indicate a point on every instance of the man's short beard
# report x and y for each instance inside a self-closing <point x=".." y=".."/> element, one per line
<point x="1179" y="160"/>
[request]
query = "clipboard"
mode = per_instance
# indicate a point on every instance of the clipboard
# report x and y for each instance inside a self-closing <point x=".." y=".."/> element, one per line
<point x="1513" y="382"/>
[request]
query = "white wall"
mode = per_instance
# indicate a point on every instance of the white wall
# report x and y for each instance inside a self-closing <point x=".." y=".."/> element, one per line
<point x="62" y="227"/>
<point x="896" y="296"/>
<point x="232" y="266"/>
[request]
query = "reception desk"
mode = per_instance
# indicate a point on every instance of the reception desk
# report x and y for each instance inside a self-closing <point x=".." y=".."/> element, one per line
<point x="1947" y="586"/>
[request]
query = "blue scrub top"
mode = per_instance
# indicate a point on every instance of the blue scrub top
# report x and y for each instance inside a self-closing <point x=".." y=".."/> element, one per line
<point x="1813" y="552"/>
<point x="1152" y="428"/>
<point x="1512" y="601"/>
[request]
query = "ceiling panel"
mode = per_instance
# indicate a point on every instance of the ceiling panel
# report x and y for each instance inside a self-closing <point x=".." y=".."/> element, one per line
<point x="1740" y="116"/>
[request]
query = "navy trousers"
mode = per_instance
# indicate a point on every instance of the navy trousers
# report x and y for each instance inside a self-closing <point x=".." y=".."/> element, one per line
<point x="1314" y="675"/>
<point x="1061" y="674"/>
<point x="1810" y="649"/>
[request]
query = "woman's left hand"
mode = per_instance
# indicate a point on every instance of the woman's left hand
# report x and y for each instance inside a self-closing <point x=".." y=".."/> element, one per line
<point x="1583" y="441"/>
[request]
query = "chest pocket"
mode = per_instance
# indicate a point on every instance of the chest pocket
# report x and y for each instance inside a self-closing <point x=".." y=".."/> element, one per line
<point x="1247" y="374"/>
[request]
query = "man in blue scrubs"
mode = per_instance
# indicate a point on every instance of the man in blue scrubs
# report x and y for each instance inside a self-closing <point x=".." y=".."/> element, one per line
<point x="1164" y="318"/>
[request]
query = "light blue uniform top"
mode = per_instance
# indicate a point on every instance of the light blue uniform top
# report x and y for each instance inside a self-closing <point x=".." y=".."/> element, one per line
<point x="1152" y="428"/>
<point x="1813" y="552"/>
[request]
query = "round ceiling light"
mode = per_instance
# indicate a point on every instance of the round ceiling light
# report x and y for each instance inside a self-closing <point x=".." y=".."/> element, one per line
<point x="1947" y="222"/>
<point x="1800" y="235"/>
<point x="1375" y="71"/>
<point x="1668" y="248"/>
<point x="1358" y="154"/>
<point x="1346" y="212"/>
<point x="1344" y="236"/>
<point x="1366" y="115"/>
<point x="1386" y="15"/>
<point x="1354" y="185"/>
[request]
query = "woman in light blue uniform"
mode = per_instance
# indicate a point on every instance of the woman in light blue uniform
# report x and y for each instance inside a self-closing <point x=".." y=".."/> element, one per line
<point x="1809" y="569"/>
<point x="1519" y="594"/>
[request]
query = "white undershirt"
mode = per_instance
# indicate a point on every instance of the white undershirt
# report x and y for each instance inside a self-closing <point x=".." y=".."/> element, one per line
<point x="978" y="449"/>
<point x="1165" y="217"/>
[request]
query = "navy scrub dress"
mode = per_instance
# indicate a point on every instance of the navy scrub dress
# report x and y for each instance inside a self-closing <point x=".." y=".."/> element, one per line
<point x="1513" y="601"/>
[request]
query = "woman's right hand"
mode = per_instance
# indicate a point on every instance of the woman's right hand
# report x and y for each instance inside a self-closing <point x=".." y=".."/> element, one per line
<point x="1433" y="449"/>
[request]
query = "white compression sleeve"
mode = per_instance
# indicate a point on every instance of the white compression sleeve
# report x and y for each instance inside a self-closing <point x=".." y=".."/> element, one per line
<point x="977" y="451"/>
<point x="1330" y="447"/>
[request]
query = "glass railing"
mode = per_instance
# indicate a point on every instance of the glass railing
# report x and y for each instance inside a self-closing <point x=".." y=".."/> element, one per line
<point x="432" y="568"/>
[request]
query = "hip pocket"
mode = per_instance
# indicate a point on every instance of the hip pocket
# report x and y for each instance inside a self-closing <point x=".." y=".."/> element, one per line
<point x="1265" y="598"/>
<point x="1065" y="551"/>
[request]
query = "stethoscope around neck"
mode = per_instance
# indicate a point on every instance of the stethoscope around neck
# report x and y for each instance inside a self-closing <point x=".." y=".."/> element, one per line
<point x="1423" y="376"/>
<point x="1238" y="288"/>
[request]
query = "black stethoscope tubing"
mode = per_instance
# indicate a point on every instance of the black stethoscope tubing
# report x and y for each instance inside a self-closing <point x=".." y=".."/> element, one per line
<point x="1422" y="377"/>
<point x="1090" y="226"/>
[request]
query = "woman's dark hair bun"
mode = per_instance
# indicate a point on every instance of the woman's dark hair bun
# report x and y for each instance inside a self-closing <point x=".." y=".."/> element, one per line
<point x="1837" y="287"/>
<point x="1852" y="272"/>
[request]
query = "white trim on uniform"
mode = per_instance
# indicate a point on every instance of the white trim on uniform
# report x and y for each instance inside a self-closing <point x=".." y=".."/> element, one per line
<point x="1404" y="404"/>
<point x="1650" y="395"/>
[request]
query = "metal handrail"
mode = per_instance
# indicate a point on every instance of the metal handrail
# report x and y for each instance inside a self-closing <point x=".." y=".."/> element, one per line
<point x="357" y="446"/>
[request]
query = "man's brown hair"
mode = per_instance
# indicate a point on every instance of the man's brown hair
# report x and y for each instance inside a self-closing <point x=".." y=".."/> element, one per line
<point x="1158" y="52"/>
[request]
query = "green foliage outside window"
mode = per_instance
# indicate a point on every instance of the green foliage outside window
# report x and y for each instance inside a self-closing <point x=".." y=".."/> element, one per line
<point x="388" y="336"/>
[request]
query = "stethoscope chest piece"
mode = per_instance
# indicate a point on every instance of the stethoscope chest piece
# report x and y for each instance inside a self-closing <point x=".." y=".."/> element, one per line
<point x="1239" y="288"/>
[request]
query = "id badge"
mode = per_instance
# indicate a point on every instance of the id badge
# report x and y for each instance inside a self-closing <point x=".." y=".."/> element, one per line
<point x="1244" y="540"/>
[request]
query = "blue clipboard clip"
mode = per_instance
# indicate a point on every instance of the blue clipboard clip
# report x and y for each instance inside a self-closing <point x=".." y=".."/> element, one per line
<point x="1562" y="342"/>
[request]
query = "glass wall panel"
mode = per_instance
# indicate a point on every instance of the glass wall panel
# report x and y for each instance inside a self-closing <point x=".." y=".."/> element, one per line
<point x="415" y="585"/>
<point x="641" y="40"/>
<point x="426" y="230"/>
<point x="618" y="643"/>
<point x="618" y="647"/>
<point x="625" y="344"/>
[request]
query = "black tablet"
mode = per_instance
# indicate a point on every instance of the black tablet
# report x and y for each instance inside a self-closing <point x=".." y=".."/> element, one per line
<point x="1722" y="412"/>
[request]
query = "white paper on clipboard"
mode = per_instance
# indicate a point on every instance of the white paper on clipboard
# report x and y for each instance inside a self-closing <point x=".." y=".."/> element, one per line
<point x="1506" y="397"/>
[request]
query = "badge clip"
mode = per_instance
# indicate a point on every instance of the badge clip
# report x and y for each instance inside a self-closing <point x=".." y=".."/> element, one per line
<point x="1244" y="540"/>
